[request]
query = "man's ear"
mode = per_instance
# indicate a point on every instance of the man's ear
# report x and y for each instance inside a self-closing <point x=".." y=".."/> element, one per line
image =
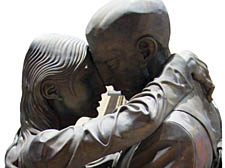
<point x="49" y="90"/>
<point x="147" y="46"/>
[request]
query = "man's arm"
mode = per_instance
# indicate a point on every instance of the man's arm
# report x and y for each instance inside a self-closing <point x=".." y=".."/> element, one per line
<point x="140" y="117"/>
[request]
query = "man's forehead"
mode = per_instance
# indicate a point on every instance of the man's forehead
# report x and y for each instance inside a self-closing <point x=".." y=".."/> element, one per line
<point x="106" y="59"/>
<point x="105" y="52"/>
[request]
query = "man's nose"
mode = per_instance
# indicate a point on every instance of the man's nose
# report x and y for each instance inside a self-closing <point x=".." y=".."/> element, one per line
<point x="104" y="73"/>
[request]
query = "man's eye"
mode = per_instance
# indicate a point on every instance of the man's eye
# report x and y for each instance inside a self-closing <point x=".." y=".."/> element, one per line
<point x="113" y="64"/>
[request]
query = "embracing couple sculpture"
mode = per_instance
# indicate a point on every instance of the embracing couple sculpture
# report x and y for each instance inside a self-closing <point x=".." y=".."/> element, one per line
<point x="168" y="121"/>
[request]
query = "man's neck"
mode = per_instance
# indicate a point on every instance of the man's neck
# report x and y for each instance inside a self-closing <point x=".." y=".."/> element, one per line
<point x="156" y="65"/>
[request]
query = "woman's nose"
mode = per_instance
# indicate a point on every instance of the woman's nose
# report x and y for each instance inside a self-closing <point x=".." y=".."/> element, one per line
<point x="98" y="82"/>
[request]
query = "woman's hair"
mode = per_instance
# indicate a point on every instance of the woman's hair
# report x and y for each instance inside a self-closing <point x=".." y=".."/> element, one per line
<point x="54" y="57"/>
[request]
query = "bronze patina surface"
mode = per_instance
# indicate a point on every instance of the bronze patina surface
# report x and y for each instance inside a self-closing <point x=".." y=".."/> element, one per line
<point x="169" y="119"/>
<point x="129" y="45"/>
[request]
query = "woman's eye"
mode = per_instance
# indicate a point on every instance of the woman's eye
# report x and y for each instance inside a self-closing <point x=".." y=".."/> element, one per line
<point x="86" y="77"/>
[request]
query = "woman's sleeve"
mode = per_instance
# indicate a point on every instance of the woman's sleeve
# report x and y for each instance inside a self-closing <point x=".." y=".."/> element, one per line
<point x="75" y="146"/>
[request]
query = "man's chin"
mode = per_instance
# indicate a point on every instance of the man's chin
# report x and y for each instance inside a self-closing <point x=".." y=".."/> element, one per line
<point x="93" y="113"/>
<point x="128" y="94"/>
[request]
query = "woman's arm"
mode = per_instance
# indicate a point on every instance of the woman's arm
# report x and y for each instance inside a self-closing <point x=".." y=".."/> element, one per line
<point x="140" y="117"/>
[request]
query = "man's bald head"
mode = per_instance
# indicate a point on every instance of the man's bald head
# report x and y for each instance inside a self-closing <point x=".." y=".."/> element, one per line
<point x="133" y="18"/>
<point x="125" y="38"/>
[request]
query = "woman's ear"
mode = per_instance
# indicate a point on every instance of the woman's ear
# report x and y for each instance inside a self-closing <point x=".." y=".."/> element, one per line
<point x="147" y="46"/>
<point x="49" y="90"/>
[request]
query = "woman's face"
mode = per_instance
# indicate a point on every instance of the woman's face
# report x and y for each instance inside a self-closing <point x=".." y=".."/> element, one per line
<point x="82" y="99"/>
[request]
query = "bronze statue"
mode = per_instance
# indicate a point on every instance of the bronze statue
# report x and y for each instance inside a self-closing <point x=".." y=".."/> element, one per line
<point x="129" y="45"/>
<point x="60" y="84"/>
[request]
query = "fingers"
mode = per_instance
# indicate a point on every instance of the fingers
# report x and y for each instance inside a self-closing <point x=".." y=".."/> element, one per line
<point x="200" y="62"/>
<point x="210" y="90"/>
<point x="201" y="74"/>
<point x="209" y="86"/>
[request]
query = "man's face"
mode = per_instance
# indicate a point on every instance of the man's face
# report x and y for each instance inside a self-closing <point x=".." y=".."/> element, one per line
<point x="121" y="65"/>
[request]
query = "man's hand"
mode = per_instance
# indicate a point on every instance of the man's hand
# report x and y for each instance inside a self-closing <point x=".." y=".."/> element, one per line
<point x="199" y="72"/>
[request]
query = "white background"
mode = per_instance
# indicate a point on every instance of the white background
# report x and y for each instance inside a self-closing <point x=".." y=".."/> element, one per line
<point x="197" y="25"/>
